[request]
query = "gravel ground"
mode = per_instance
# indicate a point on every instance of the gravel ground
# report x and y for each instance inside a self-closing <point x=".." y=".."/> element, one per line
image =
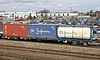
<point x="37" y="56"/>
<point x="63" y="47"/>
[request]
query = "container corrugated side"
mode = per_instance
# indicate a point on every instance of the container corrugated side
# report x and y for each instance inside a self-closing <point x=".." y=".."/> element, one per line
<point x="43" y="31"/>
<point x="15" y="29"/>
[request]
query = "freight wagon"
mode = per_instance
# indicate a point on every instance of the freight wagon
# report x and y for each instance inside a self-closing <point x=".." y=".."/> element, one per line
<point x="65" y="33"/>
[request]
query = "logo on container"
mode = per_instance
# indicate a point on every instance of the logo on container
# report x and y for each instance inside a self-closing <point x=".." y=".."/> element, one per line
<point x="64" y="32"/>
<point x="41" y="31"/>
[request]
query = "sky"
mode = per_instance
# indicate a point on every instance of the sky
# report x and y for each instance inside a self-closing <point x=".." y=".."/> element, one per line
<point x="52" y="5"/>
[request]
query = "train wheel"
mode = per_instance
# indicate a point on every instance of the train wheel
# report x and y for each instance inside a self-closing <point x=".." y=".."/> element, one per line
<point x="21" y="38"/>
<point x="15" y="38"/>
<point x="65" y="41"/>
<point x="8" y="38"/>
<point x="25" y="38"/>
<point x="79" y="42"/>
<point x="29" y="38"/>
<point x="1" y="36"/>
<point x="85" y="44"/>
<point x="74" y="43"/>
<point x="58" y="40"/>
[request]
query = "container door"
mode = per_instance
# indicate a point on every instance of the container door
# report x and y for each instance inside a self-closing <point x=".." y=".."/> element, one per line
<point x="49" y="31"/>
<point x="86" y="33"/>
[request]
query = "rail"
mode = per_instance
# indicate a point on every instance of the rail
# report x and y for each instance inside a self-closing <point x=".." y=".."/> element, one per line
<point x="54" y="52"/>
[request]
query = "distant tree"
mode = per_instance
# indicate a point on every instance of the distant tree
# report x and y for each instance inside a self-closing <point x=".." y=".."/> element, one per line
<point x="91" y="11"/>
<point x="87" y="13"/>
<point x="75" y="11"/>
<point x="98" y="13"/>
<point x="81" y="13"/>
<point x="44" y="11"/>
<point x="29" y="17"/>
<point x="2" y="11"/>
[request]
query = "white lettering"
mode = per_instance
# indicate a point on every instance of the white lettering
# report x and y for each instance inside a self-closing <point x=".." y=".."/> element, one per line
<point x="37" y="31"/>
<point x="41" y="31"/>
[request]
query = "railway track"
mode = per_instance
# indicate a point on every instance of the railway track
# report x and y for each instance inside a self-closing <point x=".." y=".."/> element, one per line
<point x="10" y="57"/>
<point x="44" y="51"/>
<point x="60" y="43"/>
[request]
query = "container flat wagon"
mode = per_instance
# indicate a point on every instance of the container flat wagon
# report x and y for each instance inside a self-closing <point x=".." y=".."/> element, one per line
<point x="65" y="33"/>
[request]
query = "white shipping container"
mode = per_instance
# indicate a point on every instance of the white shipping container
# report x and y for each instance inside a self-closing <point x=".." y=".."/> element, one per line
<point x="74" y="32"/>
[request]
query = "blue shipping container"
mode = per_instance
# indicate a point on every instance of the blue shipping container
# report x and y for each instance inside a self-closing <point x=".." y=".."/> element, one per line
<point x="42" y="31"/>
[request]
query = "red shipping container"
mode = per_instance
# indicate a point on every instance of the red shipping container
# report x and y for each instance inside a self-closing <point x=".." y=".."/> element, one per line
<point x="15" y="30"/>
